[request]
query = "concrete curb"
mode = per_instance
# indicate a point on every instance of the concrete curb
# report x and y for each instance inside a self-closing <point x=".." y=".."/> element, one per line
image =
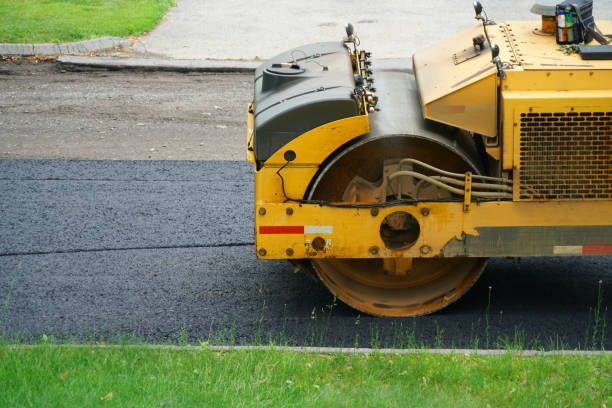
<point x="86" y="63"/>
<point x="83" y="63"/>
<point x="332" y="350"/>
<point x="49" y="49"/>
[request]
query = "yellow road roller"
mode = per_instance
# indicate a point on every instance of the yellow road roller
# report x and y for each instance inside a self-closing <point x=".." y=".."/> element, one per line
<point x="396" y="186"/>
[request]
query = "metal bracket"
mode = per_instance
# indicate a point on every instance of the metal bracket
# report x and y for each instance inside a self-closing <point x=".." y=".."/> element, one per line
<point x="467" y="194"/>
<point x="250" y="152"/>
<point x="467" y="54"/>
<point x="397" y="266"/>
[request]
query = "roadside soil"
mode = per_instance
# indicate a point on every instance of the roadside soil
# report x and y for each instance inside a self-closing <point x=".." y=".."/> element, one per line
<point x="48" y="113"/>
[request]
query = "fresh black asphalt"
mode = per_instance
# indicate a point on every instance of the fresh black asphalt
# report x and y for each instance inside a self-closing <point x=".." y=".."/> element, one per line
<point x="162" y="251"/>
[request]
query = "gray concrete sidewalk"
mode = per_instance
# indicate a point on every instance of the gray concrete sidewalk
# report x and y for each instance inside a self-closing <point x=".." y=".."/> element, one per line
<point x="231" y="29"/>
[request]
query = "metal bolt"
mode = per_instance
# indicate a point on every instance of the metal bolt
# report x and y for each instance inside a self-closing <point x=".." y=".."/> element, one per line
<point x="262" y="211"/>
<point x="262" y="252"/>
<point x="374" y="212"/>
<point x="374" y="250"/>
<point x="289" y="252"/>
<point x="289" y="155"/>
<point x="425" y="249"/>
<point x="289" y="211"/>
<point x="318" y="244"/>
<point x="425" y="211"/>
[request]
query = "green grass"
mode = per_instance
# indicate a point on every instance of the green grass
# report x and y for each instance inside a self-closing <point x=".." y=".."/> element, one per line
<point x="48" y="375"/>
<point x="35" y="21"/>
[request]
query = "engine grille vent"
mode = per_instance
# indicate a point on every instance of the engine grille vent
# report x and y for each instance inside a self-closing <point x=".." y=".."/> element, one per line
<point x="565" y="156"/>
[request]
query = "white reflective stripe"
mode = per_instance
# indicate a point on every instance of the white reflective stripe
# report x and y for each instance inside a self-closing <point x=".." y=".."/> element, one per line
<point x="318" y="229"/>
<point x="567" y="250"/>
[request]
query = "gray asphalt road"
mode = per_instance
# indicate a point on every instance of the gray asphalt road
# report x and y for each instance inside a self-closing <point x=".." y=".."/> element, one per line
<point x="47" y="113"/>
<point x="161" y="250"/>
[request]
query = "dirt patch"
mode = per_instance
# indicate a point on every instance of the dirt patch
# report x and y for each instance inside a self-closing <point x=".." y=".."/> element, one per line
<point x="48" y="113"/>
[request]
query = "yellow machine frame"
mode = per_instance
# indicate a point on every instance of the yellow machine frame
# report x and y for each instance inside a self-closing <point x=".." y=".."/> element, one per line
<point x="286" y="228"/>
<point x="355" y="231"/>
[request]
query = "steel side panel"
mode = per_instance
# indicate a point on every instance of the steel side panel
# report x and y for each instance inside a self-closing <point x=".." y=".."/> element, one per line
<point x="532" y="241"/>
<point x="316" y="145"/>
<point x="473" y="107"/>
<point x="488" y="229"/>
<point x="462" y="94"/>
<point x="437" y="73"/>
<point x="538" y="52"/>
<point x="516" y="102"/>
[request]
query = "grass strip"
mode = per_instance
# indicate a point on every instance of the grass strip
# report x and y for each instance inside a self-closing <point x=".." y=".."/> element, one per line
<point x="39" y="21"/>
<point x="48" y="375"/>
